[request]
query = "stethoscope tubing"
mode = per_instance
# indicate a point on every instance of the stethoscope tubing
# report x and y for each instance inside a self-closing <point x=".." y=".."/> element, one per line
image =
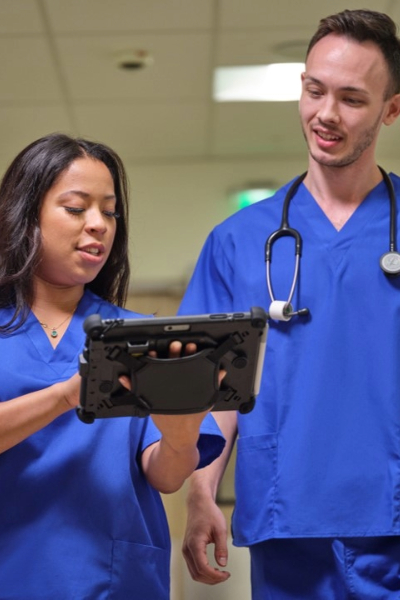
<point x="386" y="261"/>
<point x="393" y="210"/>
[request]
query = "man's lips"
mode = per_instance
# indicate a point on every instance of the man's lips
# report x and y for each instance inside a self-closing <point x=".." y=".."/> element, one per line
<point x="327" y="136"/>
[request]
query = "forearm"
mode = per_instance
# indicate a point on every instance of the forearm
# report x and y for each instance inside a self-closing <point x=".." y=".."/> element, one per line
<point x="173" y="459"/>
<point x="23" y="416"/>
<point x="206" y="523"/>
<point x="167" y="468"/>
<point x="205" y="482"/>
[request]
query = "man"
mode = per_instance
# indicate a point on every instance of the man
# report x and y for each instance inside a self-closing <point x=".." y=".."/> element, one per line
<point x="318" y="459"/>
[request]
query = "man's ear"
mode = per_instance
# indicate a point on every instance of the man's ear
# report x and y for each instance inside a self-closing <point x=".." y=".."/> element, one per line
<point x="392" y="110"/>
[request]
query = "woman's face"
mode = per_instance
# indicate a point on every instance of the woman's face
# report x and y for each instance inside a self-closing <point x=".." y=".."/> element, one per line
<point x="78" y="224"/>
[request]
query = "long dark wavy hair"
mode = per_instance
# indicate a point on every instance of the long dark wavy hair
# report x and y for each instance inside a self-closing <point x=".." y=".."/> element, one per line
<point x="27" y="180"/>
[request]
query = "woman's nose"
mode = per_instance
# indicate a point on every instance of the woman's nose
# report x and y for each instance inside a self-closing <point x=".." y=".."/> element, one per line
<point x="96" y="221"/>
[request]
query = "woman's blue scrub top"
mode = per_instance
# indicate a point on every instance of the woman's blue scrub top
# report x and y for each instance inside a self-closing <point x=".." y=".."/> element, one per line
<point x="78" y="519"/>
<point x="319" y="456"/>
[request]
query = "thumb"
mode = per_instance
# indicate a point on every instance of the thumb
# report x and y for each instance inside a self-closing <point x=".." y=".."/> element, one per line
<point x="221" y="551"/>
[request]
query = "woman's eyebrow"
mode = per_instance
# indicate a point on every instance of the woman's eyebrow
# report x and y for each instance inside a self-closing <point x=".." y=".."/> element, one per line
<point x="84" y="195"/>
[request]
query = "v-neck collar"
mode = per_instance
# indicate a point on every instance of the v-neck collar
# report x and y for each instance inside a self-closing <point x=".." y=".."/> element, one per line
<point x="71" y="343"/>
<point x="315" y="219"/>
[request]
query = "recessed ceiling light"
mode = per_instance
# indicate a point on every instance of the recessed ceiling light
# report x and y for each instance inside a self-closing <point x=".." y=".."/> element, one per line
<point x="131" y="60"/>
<point x="277" y="82"/>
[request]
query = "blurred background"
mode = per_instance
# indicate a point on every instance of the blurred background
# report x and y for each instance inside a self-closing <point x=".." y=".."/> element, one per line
<point x="138" y="75"/>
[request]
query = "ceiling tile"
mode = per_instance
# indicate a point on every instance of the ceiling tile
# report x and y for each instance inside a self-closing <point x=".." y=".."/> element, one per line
<point x="289" y="14"/>
<point x="132" y="15"/>
<point x="27" y="72"/>
<point x="261" y="47"/>
<point x="19" y="17"/>
<point x="180" y="69"/>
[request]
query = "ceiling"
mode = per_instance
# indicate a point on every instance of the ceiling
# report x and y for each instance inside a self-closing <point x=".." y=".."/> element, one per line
<point x="60" y="72"/>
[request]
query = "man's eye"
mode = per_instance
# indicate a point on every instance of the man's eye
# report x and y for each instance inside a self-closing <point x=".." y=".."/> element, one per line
<point x="315" y="93"/>
<point x="353" y="101"/>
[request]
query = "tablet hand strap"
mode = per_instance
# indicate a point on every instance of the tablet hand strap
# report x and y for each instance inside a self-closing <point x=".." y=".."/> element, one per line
<point x="167" y="383"/>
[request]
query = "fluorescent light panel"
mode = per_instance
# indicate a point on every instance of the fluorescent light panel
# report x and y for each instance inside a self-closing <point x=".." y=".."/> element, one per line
<point x="278" y="82"/>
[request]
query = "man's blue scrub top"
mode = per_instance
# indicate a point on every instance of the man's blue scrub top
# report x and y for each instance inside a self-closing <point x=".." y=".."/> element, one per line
<point x="78" y="519"/>
<point x="319" y="455"/>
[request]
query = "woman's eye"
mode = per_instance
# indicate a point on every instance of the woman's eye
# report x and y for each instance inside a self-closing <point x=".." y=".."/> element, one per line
<point x="112" y="214"/>
<point x="73" y="210"/>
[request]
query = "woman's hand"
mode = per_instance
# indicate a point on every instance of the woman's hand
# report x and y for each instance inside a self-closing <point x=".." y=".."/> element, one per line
<point x="170" y="461"/>
<point x="70" y="390"/>
<point x="23" y="416"/>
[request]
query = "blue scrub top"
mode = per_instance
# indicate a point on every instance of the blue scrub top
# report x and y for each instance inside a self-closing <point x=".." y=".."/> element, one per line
<point x="319" y="456"/>
<point x="78" y="517"/>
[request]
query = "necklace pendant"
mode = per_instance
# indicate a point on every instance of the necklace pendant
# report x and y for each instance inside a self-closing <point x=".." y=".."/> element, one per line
<point x="54" y="333"/>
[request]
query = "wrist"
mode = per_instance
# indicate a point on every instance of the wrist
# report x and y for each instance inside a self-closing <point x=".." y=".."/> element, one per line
<point x="176" y="449"/>
<point x="201" y="489"/>
<point x="66" y="400"/>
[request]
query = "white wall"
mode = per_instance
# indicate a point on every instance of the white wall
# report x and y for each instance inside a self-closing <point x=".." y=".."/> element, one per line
<point x="174" y="207"/>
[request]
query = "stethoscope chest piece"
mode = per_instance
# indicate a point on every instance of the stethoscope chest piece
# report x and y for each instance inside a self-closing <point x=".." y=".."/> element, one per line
<point x="390" y="263"/>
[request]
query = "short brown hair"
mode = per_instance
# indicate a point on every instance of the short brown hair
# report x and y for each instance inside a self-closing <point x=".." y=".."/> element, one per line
<point x="366" y="26"/>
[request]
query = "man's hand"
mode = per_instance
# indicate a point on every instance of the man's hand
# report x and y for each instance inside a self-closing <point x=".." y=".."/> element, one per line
<point x="205" y="525"/>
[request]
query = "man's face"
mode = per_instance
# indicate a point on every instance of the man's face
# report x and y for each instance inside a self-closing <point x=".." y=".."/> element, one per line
<point x="342" y="105"/>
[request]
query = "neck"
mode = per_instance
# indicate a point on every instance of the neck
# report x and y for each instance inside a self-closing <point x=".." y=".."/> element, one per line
<point x="340" y="190"/>
<point x="52" y="298"/>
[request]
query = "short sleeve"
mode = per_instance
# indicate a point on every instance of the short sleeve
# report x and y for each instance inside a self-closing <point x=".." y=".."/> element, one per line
<point x="211" y="441"/>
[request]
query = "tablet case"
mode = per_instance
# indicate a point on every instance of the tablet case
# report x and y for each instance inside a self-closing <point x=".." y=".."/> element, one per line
<point x="234" y="342"/>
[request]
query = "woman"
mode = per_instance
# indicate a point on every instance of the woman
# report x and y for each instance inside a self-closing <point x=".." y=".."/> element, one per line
<point x="80" y="516"/>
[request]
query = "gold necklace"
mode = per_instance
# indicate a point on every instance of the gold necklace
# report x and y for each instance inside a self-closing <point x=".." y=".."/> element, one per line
<point x="54" y="332"/>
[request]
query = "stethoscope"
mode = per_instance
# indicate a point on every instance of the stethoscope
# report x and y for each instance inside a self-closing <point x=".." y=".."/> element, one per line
<point x="282" y="310"/>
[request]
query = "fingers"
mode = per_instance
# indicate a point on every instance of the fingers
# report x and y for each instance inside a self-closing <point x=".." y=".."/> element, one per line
<point x="221" y="375"/>
<point x="125" y="381"/>
<point x="206" y="527"/>
<point x="176" y="349"/>
<point x="190" y="348"/>
<point x="199" y="567"/>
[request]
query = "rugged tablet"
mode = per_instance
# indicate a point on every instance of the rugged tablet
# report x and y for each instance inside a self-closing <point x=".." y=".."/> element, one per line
<point x="234" y="342"/>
